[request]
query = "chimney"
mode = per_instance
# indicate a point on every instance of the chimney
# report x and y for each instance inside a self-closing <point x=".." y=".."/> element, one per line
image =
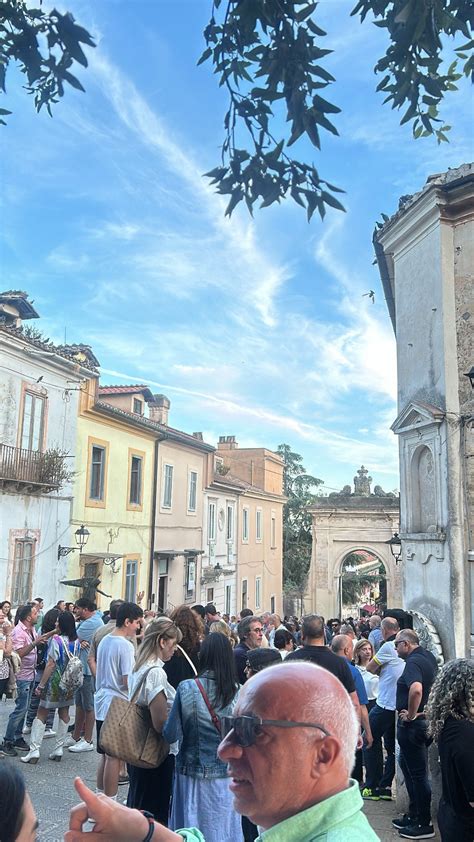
<point x="227" y="443"/>
<point x="158" y="409"/>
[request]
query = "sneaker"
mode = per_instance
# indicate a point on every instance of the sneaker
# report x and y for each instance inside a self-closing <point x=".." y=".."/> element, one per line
<point x="82" y="745"/>
<point x="70" y="741"/>
<point x="370" y="794"/>
<point x="417" y="831"/>
<point x="21" y="744"/>
<point x="385" y="794"/>
<point x="26" y="729"/>
<point x="8" y="749"/>
<point x="49" y="733"/>
<point x="405" y="821"/>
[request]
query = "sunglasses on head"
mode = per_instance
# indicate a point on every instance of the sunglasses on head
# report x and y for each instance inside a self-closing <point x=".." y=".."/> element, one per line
<point x="246" y="729"/>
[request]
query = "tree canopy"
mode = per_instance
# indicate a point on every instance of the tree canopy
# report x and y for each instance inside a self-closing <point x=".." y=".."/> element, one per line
<point x="45" y="46"/>
<point x="266" y="51"/>
<point x="298" y="487"/>
<point x="270" y="56"/>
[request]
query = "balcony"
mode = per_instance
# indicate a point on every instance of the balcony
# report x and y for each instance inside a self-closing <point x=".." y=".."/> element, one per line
<point x="30" y="471"/>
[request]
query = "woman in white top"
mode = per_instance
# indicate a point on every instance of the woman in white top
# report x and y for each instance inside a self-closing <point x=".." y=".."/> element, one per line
<point x="150" y="789"/>
<point x="363" y="653"/>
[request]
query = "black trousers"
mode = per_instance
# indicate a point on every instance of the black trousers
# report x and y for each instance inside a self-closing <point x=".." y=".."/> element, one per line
<point x="453" y="828"/>
<point x="150" y="789"/>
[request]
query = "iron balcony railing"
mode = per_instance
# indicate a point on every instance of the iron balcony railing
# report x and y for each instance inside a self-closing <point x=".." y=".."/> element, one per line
<point x="44" y="471"/>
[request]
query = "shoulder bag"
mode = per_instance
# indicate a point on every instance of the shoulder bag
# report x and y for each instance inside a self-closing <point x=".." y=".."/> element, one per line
<point x="215" y="719"/>
<point x="128" y="732"/>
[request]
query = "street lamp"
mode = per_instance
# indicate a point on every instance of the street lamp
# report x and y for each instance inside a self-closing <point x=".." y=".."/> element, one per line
<point x="470" y="374"/>
<point x="395" y="545"/>
<point x="82" y="536"/>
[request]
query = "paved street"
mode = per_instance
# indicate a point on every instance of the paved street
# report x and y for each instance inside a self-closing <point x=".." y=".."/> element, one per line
<point x="51" y="789"/>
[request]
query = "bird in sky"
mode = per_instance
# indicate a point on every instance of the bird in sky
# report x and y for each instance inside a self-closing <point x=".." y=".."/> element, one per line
<point x="371" y="295"/>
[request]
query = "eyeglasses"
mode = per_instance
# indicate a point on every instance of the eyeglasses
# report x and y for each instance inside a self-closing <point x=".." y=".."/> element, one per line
<point x="247" y="728"/>
<point x="397" y="643"/>
<point x="258" y="630"/>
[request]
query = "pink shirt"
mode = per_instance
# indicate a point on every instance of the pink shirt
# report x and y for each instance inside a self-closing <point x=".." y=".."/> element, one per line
<point x="23" y="636"/>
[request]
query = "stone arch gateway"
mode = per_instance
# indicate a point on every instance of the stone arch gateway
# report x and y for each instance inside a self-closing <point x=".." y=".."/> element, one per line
<point x="348" y="522"/>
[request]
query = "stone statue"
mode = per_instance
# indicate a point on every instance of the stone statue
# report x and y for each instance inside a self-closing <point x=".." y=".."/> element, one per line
<point x="379" y="492"/>
<point x="362" y="483"/>
<point x="89" y="586"/>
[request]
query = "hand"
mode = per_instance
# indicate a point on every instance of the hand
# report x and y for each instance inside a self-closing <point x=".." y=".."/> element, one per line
<point x="368" y="740"/>
<point x="114" y="822"/>
<point x="43" y="638"/>
<point x="403" y="715"/>
<point x="6" y="628"/>
<point x="85" y="644"/>
<point x="360" y="741"/>
<point x="38" y="690"/>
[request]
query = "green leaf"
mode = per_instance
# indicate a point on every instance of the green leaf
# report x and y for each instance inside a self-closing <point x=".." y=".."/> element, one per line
<point x="206" y="54"/>
<point x="331" y="200"/>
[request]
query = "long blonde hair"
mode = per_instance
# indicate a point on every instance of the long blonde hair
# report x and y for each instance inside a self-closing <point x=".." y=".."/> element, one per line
<point x="161" y="628"/>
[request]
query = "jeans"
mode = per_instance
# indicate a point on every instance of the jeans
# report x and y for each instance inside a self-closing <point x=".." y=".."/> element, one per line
<point x="17" y="716"/>
<point x="382" y="724"/>
<point x="414" y="765"/>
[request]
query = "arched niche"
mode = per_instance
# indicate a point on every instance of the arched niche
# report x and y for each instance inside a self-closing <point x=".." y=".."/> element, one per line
<point x="423" y="492"/>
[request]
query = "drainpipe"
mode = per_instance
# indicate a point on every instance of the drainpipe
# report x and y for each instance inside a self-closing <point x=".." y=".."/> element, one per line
<point x="154" y="495"/>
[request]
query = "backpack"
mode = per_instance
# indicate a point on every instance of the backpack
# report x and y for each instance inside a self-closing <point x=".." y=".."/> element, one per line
<point x="73" y="677"/>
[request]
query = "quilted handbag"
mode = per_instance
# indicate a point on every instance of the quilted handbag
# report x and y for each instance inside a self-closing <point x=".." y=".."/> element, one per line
<point x="128" y="733"/>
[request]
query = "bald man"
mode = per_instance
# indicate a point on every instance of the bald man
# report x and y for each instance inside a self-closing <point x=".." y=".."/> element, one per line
<point x="296" y="710"/>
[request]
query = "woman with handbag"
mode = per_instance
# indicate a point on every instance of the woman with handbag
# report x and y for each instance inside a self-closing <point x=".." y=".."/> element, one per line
<point x="150" y="789"/>
<point x="185" y="661"/>
<point x="201" y="795"/>
<point x="61" y="648"/>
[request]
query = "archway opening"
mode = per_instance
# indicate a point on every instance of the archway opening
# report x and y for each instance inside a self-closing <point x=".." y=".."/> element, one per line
<point x="363" y="584"/>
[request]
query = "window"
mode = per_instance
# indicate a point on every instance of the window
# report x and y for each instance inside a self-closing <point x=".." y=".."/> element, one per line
<point x="190" y="576"/>
<point x="258" y="591"/>
<point x="272" y="604"/>
<point x="273" y="532"/>
<point x="228" y="598"/>
<point x="33" y="422"/>
<point x="131" y="583"/>
<point x="138" y="406"/>
<point x="244" y="601"/>
<point x="136" y="465"/>
<point x="22" y="572"/>
<point x="230" y="524"/>
<point x="245" y="524"/>
<point x="97" y="473"/>
<point x="258" y="524"/>
<point x="211" y="522"/>
<point x="167" y="487"/>
<point x="210" y="594"/>
<point x="192" y="491"/>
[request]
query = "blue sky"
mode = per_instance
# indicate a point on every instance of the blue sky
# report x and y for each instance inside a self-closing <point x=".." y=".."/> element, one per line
<point x="257" y="328"/>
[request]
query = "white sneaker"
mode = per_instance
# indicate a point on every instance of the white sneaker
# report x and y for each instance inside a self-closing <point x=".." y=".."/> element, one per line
<point x="82" y="745"/>
<point x="70" y="741"/>
<point x="49" y="733"/>
<point x="26" y="729"/>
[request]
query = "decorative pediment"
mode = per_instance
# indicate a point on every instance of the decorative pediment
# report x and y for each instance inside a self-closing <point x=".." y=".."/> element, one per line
<point x="417" y="415"/>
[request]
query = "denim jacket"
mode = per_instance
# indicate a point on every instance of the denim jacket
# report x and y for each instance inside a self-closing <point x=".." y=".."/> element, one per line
<point x="190" y="722"/>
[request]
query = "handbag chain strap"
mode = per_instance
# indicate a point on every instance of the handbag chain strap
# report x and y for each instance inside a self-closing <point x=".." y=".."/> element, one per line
<point x="214" y="717"/>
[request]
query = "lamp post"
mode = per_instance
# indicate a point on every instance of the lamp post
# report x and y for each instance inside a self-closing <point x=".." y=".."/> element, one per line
<point x="395" y="545"/>
<point x="82" y="536"/>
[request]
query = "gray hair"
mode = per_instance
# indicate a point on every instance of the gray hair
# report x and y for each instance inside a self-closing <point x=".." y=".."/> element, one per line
<point x="340" y="720"/>
<point x="244" y="626"/>
<point x="312" y="626"/>
<point x="409" y="636"/>
<point x="390" y="624"/>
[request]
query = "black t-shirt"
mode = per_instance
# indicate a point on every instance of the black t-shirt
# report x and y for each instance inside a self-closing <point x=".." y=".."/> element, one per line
<point x="179" y="669"/>
<point x="420" y="666"/>
<point x="456" y="754"/>
<point x="240" y="657"/>
<point x="323" y="657"/>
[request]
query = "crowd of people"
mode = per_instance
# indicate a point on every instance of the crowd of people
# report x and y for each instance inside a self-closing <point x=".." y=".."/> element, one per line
<point x="342" y="696"/>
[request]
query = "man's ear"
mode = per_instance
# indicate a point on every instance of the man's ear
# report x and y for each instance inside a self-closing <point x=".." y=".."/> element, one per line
<point x="326" y="753"/>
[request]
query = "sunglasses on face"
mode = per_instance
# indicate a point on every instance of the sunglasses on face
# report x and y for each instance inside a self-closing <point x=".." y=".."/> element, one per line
<point x="246" y="729"/>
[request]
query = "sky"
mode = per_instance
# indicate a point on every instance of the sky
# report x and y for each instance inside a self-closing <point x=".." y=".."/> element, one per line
<point x="255" y="328"/>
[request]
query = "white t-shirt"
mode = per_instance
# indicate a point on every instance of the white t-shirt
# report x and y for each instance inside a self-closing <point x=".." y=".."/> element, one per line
<point x="371" y="682"/>
<point x="115" y="659"/>
<point x="392" y="668"/>
<point x="155" y="682"/>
